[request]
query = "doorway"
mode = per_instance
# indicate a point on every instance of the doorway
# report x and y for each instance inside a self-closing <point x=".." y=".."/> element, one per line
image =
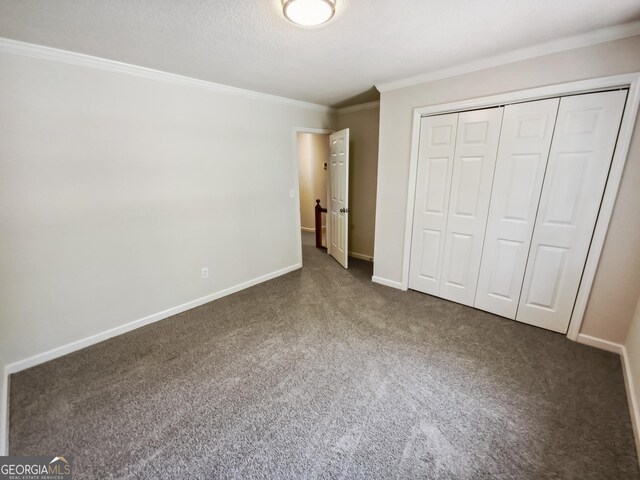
<point x="310" y="154"/>
<point x="313" y="155"/>
<point x="322" y="165"/>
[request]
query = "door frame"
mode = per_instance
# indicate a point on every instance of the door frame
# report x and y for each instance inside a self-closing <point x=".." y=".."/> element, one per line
<point x="296" y="180"/>
<point x="630" y="81"/>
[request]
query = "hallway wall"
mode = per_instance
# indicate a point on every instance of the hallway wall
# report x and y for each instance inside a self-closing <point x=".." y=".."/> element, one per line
<point x="363" y="124"/>
<point x="313" y="153"/>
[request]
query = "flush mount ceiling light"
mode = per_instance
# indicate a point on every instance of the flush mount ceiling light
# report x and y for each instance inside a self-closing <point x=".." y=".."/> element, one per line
<point x="308" y="13"/>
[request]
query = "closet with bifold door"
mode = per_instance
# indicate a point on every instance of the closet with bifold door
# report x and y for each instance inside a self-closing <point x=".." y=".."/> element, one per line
<point x="506" y="202"/>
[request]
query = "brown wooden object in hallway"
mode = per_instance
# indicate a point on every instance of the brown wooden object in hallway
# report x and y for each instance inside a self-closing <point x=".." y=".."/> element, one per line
<point x="319" y="212"/>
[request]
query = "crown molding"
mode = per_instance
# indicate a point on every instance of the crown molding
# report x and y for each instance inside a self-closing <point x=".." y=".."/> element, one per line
<point x="594" y="37"/>
<point x="359" y="107"/>
<point x="25" y="49"/>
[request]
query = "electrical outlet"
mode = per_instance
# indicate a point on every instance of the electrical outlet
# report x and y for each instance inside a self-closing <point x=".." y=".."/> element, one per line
<point x="292" y="193"/>
<point x="205" y="273"/>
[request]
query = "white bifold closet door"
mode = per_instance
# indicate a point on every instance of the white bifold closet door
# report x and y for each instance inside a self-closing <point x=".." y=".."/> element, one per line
<point x="473" y="166"/>
<point x="525" y="140"/>
<point x="583" y="143"/>
<point x="456" y="159"/>
<point x="435" y="164"/>
<point x="507" y="201"/>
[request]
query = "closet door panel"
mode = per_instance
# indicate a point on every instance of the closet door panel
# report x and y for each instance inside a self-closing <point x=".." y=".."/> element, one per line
<point x="581" y="151"/>
<point x="435" y="164"/>
<point x="472" y="176"/>
<point x="525" y="140"/>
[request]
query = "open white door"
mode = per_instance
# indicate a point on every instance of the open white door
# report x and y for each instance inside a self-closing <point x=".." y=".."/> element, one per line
<point x="338" y="209"/>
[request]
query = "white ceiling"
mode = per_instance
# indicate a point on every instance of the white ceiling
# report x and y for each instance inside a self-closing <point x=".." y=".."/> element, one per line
<point x="249" y="44"/>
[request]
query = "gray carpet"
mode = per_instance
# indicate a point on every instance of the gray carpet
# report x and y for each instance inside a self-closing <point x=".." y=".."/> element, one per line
<point x="323" y="374"/>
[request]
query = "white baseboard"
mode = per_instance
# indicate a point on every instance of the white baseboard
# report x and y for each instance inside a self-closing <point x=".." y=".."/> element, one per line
<point x="4" y="413"/>
<point x="600" y="343"/>
<point x="127" y="327"/>
<point x="634" y="411"/>
<point x="361" y="256"/>
<point x="388" y="283"/>
<point x="88" y="341"/>
<point x="613" y="347"/>
<point x="306" y="229"/>
<point x="99" y="337"/>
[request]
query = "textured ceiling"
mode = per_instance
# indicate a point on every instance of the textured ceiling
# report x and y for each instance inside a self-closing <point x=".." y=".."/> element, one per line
<point x="249" y="44"/>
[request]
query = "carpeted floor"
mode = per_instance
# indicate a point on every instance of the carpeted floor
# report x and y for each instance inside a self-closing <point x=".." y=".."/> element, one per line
<point x="323" y="374"/>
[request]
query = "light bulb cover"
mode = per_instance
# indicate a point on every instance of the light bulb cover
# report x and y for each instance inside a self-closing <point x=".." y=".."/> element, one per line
<point x="308" y="13"/>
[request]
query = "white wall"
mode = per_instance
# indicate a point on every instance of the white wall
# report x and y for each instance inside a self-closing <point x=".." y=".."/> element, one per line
<point x="116" y="189"/>
<point x="363" y="125"/>
<point x="617" y="283"/>
<point x="632" y="346"/>
<point x="4" y="403"/>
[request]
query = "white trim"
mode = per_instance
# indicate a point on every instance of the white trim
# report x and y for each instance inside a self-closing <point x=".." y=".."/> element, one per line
<point x="600" y="343"/>
<point x="594" y="37"/>
<point x="630" y="80"/>
<point x="361" y="256"/>
<point x="4" y="413"/>
<point x="127" y="327"/>
<point x="634" y="411"/>
<point x="321" y="131"/>
<point x="309" y="230"/>
<point x="358" y="108"/>
<point x="632" y="401"/>
<point x="411" y="198"/>
<point x="387" y="283"/>
<point x="72" y="58"/>
<point x="296" y="180"/>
